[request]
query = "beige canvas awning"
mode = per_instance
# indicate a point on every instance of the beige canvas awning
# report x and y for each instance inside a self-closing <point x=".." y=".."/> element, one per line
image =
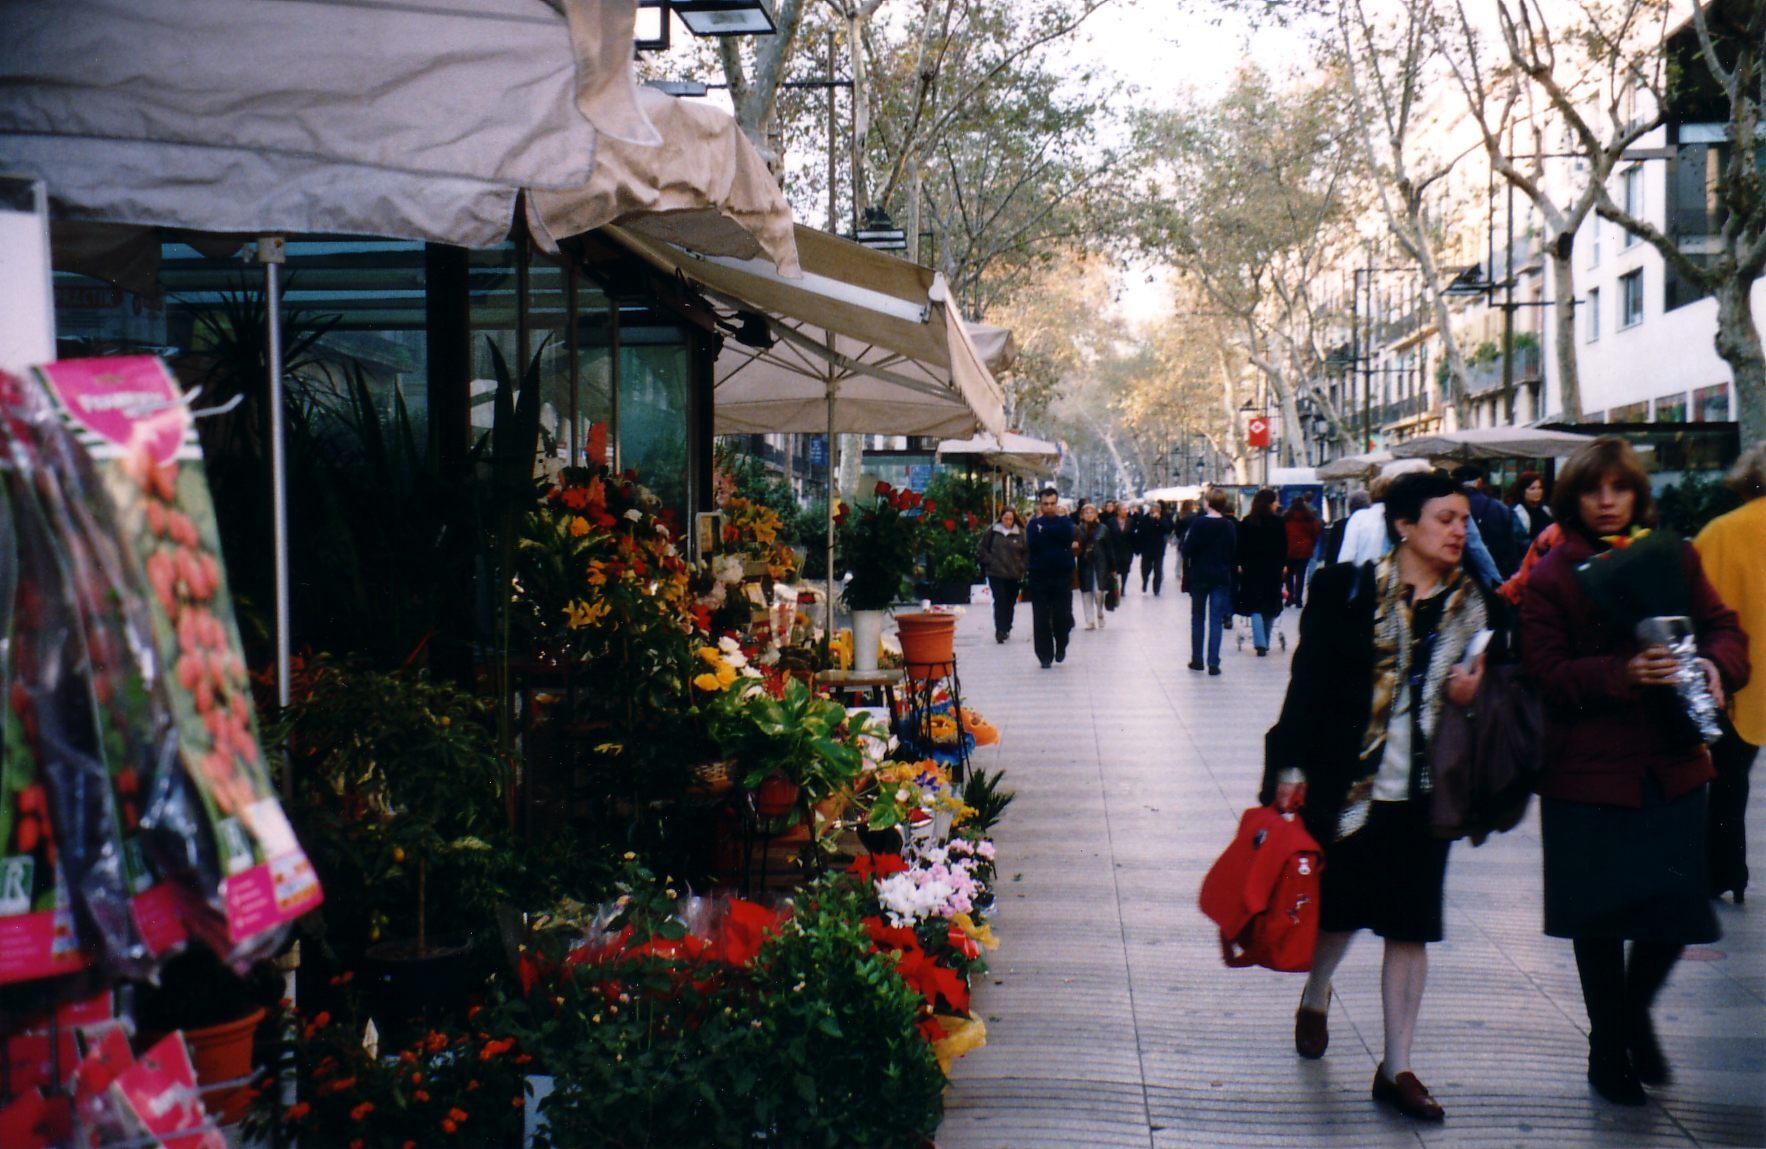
<point x="418" y="120"/>
<point x="1492" y="443"/>
<point x="1014" y="453"/>
<point x="875" y="338"/>
<point x="705" y="188"/>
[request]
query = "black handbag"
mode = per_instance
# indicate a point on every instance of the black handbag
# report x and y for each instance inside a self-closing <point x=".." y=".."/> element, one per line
<point x="1484" y="760"/>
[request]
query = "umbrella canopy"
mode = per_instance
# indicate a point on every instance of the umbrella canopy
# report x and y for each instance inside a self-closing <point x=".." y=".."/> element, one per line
<point x="705" y="188"/>
<point x="1354" y="466"/>
<point x="1491" y="443"/>
<point x="418" y="121"/>
<point x="1012" y="452"/>
<point x="863" y="343"/>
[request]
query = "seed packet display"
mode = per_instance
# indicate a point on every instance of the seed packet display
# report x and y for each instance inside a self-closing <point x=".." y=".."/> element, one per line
<point x="230" y="845"/>
<point x="55" y="779"/>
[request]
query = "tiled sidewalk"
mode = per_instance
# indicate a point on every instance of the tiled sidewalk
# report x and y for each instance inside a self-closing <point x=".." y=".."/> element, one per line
<point x="1112" y="1022"/>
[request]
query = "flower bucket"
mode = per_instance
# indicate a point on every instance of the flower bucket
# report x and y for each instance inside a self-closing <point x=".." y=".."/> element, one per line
<point x="927" y="643"/>
<point x="867" y="634"/>
<point x="223" y="1053"/>
<point x="775" y="796"/>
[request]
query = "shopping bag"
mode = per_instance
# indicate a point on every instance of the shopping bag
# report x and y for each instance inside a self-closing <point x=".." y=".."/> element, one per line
<point x="1263" y="892"/>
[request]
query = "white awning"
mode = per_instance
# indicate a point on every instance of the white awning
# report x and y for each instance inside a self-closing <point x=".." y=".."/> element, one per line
<point x="1491" y="443"/>
<point x="875" y="336"/>
<point x="1012" y="452"/>
<point x="416" y="120"/>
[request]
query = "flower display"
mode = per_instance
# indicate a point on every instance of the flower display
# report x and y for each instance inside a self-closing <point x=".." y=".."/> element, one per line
<point x="754" y="529"/>
<point x="879" y="546"/>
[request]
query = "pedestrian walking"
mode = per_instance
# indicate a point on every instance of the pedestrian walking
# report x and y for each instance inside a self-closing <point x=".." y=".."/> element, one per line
<point x="1262" y="557"/>
<point x="1494" y="521"/>
<point x="1096" y="568"/>
<point x="1623" y="796"/>
<point x="1121" y="528"/>
<point x="1527" y="505"/>
<point x="1151" y="536"/>
<point x="1364" y="535"/>
<point x="1381" y="647"/>
<point x="1209" y="550"/>
<point x="1004" y="558"/>
<point x="1732" y="549"/>
<point x="1331" y="546"/>
<point x="1303" y="530"/>
<point x="1048" y="545"/>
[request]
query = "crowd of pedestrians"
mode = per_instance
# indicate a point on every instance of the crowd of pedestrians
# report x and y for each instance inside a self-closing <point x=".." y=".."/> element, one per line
<point x="1406" y="599"/>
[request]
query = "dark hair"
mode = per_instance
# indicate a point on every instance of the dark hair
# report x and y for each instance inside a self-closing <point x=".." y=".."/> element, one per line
<point x="1301" y="509"/>
<point x="1467" y="473"/>
<point x="1046" y="492"/>
<point x="1584" y="471"/>
<point x="1411" y="492"/>
<point x="1359" y="499"/>
<point x="1517" y="494"/>
<point x="1216" y="498"/>
<point x="1262" y="505"/>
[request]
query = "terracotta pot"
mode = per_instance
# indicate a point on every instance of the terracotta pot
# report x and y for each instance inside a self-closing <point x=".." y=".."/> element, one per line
<point x="927" y="643"/>
<point x="223" y="1053"/>
<point x="775" y="796"/>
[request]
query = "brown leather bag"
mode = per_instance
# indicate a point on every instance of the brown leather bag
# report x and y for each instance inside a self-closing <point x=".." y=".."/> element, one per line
<point x="1485" y="759"/>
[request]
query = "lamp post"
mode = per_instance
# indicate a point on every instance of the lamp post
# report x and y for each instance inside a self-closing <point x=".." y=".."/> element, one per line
<point x="702" y="18"/>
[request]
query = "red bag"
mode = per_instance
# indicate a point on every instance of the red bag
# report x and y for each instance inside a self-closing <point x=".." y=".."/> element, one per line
<point x="1263" y="893"/>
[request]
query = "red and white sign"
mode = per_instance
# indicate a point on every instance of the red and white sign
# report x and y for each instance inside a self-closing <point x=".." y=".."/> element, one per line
<point x="1257" y="431"/>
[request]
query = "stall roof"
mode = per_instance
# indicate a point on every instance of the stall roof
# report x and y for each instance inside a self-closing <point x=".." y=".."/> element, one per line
<point x="418" y="120"/>
<point x="877" y="337"/>
<point x="1491" y="443"/>
<point x="1012" y="452"/>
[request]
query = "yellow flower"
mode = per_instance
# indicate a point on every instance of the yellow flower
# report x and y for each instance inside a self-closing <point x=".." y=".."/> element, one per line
<point x="710" y="655"/>
<point x="597" y="576"/>
<point x="581" y="614"/>
<point x="982" y="935"/>
<point x="579" y="526"/>
<point x="709" y="682"/>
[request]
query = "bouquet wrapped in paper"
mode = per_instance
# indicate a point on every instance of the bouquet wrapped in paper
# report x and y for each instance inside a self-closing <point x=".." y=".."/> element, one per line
<point x="1639" y="582"/>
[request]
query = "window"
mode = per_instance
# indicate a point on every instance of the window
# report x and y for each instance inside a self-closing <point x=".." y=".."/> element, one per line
<point x="1711" y="404"/>
<point x="1593" y="314"/>
<point x="1594" y="230"/>
<point x="1629" y="413"/>
<point x="1631" y="299"/>
<point x="1631" y="197"/>
<point x="1671" y="408"/>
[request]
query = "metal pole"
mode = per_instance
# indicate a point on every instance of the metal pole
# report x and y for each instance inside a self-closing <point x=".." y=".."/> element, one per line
<point x="271" y="255"/>
<point x="1508" y="297"/>
<point x="828" y="611"/>
<point x="1367" y="368"/>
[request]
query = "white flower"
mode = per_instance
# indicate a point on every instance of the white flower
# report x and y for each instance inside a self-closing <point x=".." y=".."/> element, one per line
<point x="729" y="645"/>
<point x="635" y="515"/>
<point x="901" y="795"/>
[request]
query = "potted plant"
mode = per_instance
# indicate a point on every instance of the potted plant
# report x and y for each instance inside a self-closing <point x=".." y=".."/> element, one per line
<point x="402" y="802"/>
<point x="219" y="1014"/>
<point x="877" y="548"/>
<point x="793" y="751"/>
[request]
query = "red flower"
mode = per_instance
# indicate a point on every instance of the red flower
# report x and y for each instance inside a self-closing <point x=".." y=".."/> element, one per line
<point x="496" y="1048"/>
<point x="913" y="498"/>
<point x="962" y="942"/>
<point x="882" y="488"/>
<point x="361" y="1110"/>
<point x="931" y="505"/>
<point x="744" y="927"/>
<point x="930" y="1029"/>
<point x="576" y="498"/>
<point x="950" y="525"/>
<point x="872" y="866"/>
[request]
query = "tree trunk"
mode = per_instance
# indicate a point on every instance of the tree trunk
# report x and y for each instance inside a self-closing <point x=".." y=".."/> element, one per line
<point x="1738" y="342"/>
<point x="1563" y="282"/>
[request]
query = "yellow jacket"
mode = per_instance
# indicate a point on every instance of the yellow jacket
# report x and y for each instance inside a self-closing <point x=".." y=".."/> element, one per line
<point x="1732" y="548"/>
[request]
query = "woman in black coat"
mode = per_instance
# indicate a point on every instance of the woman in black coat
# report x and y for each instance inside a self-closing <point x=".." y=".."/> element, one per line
<point x="1262" y="559"/>
<point x="1382" y="651"/>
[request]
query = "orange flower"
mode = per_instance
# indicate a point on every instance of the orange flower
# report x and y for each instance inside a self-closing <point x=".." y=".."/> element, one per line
<point x="457" y="1114"/>
<point x="496" y="1048"/>
<point x="361" y="1110"/>
<point x="422" y="1095"/>
<point x="416" y="1079"/>
<point x="298" y="1110"/>
<point x="518" y="1102"/>
<point x="449" y="1126"/>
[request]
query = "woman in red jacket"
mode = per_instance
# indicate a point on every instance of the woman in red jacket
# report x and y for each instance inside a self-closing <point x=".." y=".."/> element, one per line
<point x="1623" y="794"/>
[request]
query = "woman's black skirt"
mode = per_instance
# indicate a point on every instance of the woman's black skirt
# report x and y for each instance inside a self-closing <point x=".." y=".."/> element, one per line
<point x="1619" y="872"/>
<point x="1386" y="877"/>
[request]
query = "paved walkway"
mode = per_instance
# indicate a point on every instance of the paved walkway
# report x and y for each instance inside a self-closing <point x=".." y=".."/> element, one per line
<point x="1112" y="1022"/>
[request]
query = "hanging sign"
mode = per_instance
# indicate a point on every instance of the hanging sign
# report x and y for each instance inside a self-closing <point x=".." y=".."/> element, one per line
<point x="1257" y="431"/>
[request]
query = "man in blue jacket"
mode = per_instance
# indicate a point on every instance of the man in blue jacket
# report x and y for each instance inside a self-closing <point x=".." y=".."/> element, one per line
<point x="1049" y="541"/>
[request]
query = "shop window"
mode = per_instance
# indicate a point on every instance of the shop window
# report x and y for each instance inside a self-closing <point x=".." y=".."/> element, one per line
<point x="1629" y="413"/>
<point x="1671" y="408"/>
<point x="1711" y="404"/>
<point x="1631" y="299"/>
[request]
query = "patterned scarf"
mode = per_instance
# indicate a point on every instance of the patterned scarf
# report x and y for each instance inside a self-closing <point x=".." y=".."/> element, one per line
<point x="1463" y="615"/>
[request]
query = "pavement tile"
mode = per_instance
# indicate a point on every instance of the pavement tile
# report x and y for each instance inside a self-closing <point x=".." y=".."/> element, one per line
<point x="1111" y="1021"/>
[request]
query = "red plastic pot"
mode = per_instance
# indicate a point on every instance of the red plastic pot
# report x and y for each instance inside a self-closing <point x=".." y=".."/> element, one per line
<point x="775" y="796"/>
<point x="927" y="643"/>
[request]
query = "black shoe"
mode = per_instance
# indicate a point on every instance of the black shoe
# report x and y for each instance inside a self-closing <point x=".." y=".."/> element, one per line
<point x="1195" y="666"/>
<point x="999" y="637"/>
<point x="1262" y="652"/>
<point x="1646" y="1052"/>
<point x="1610" y="1072"/>
<point x="1060" y="654"/>
<point x="1214" y="670"/>
<point x="1046" y="664"/>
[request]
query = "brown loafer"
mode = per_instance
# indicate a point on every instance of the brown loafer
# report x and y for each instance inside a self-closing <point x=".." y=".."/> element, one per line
<point x="1407" y="1095"/>
<point x="1311" y="1033"/>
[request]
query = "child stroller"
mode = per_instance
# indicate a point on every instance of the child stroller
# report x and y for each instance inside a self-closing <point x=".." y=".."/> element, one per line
<point x="1242" y="607"/>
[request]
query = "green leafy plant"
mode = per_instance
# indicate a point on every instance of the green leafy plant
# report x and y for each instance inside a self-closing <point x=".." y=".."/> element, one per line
<point x="982" y="794"/>
<point x="1694" y="501"/>
<point x="842" y="1061"/>
<point x="808" y="739"/>
<point x="402" y="783"/>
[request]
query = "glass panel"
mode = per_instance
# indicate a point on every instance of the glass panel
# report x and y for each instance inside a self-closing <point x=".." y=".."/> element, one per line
<point x="651" y="420"/>
<point x="594" y="386"/>
<point x="1630" y="413"/>
<point x="1711" y="404"/>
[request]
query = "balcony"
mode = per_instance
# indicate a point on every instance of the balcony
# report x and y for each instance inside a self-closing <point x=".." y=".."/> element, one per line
<point x="1484" y="377"/>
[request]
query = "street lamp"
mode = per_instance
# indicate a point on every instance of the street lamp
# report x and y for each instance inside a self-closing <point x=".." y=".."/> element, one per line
<point x="879" y="233"/>
<point x="702" y="18"/>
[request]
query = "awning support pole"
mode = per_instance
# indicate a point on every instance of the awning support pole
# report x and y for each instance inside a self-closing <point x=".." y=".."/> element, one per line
<point x="272" y="255"/>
